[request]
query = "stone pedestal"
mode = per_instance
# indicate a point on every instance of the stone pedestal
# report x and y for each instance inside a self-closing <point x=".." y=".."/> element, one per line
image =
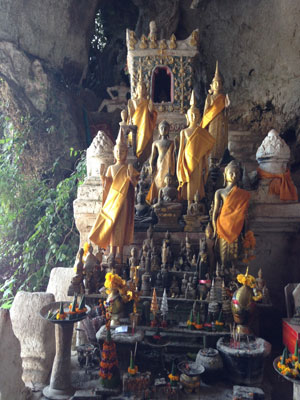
<point x="296" y="392"/>
<point x="168" y="215"/>
<point x="11" y="385"/>
<point x="37" y="340"/>
<point x="60" y="383"/>
<point x="195" y="223"/>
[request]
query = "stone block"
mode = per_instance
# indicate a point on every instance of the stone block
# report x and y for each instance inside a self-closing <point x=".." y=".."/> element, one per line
<point x="11" y="385"/>
<point x="59" y="282"/>
<point x="36" y="336"/>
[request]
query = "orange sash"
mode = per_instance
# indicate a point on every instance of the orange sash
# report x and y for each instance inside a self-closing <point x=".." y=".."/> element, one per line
<point x="217" y="107"/>
<point x="232" y="216"/>
<point x="145" y="122"/>
<point x="108" y="216"/>
<point x="280" y="185"/>
<point x="198" y="145"/>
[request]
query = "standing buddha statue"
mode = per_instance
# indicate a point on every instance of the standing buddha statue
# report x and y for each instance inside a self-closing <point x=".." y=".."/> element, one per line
<point x="142" y="114"/>
<point x="195" y="145"/>
<point x="162" y="160"/>
<point x="215" y="117"/>
<point x="229" y="213"/>
<point x="114" y="224"/>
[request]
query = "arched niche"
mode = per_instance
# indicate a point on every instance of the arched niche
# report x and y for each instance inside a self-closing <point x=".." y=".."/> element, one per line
<point x="162" y="85"/>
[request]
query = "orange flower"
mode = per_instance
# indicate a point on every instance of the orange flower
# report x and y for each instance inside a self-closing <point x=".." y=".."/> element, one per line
<point x="173" y="377"/>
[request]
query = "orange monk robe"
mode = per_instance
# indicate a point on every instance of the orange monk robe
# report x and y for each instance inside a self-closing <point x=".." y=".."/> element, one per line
<point x="215" y="109"/>
<point x="280" y="185"/>
<point x="232" y="216"/>
<point x="158" y="181"/>
<point x="145" y="121"/>
<point x="216" y="123"/>
<point x="115" y="222"/>
<point x="192" y="159"/>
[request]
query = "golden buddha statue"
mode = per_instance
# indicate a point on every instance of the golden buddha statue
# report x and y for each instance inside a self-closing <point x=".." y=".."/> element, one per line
<point x="162" y="159"/>
<point x="114" y="224"/>
<point x="215" y="116"/>
<point x="195" y="145"/>
<point x="142" y="113"/>
<point x="172" y="44"/>
<point x="229" y="213"/>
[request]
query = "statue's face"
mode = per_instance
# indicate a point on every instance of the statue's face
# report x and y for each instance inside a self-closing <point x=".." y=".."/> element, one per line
<point x="141" y="91"/>
<point x="193" y="116"/>
<point x="168" y="180"/>
<point x="164" y="129"/>
<point x="120" y="153"/>
<point x="216" y="85"/>
<point x="231" y="175"/>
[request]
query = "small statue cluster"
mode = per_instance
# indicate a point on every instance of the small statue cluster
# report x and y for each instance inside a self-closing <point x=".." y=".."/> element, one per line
<point x="90" y="274"/>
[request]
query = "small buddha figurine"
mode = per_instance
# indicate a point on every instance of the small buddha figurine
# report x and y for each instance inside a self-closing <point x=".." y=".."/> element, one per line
<point x="195" y="146"/>
<point x="152" y="35"/>
<point x="210" y="243"/>
<point x="133" y="262"/>
<point x="174" y="288"/>
<point x="132" y="40"/>
<point x="90" y="263"/>
<point x="146" y="284"/>
<point x="172" y="44"/>
<point x="142" y="114"/>
<point x="230" y="210"/>
<point x="168" y="193"/>
<point x="159" y="285"/>
<point x="183" y="285"/>
<point x="165" y="254"/>
<point x="215" y="117"/>
<point x="163" y="44"/>
<point x="162" y="160"/>
<point x="190" y="292"/>
<point x="194" y="262"/>
<point x="143" y="43"/>
<point x="155" y="259"/>
<point x="260" y="283"/>
<point x="196" y="208"/>
<point x="114" y="224"/>
<point x="143" y="214"/>
<point x="77" y="285"/>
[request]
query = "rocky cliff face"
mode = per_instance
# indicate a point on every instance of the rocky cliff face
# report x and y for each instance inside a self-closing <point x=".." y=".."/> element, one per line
<point x="43" y="53"/>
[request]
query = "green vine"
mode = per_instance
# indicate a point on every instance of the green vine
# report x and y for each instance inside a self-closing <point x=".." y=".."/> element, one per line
<point x="37" y="230"/>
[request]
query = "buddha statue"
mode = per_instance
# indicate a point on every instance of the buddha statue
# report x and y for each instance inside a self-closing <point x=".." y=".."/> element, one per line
<point x="114" y="224"/>
<point x="77" y="285"/>
<point x="275" y="182"/>
<point x="133" y="262"/>
<point x="174" y="288"/>
<point x="155" y="259"/>
<point x="90" y="264"/>
<point x="159" y="285"/>
<point x="195" y="217"/>
<point x="142" y="114"/>
<point x="162" y="161"/>
<point x="190" y="291"/>
<point x="172" y="44"/>
<point x="229" y="213"/>
<point x="184" y="283"/>
<point x="195" y="146"/>
<point x="143" y="212"/>
<point x="168" y="208"/>
<point x="215" y="117"/>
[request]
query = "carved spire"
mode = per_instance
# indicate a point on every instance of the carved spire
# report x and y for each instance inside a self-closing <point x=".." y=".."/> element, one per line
<point x="217" y="76"/>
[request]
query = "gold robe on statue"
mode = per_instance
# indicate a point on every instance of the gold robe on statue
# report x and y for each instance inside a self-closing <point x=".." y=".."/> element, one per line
<point x="158" y="181"/>
<point x="216" y="123"/>
<point x="192" y="160"/>
<point x="115" y="222"/>
<point x="145" y="121"/>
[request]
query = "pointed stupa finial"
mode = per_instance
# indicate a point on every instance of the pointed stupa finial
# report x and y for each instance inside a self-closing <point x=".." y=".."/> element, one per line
<point x="121" y="140"/>
<point x="217" y="76"/>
